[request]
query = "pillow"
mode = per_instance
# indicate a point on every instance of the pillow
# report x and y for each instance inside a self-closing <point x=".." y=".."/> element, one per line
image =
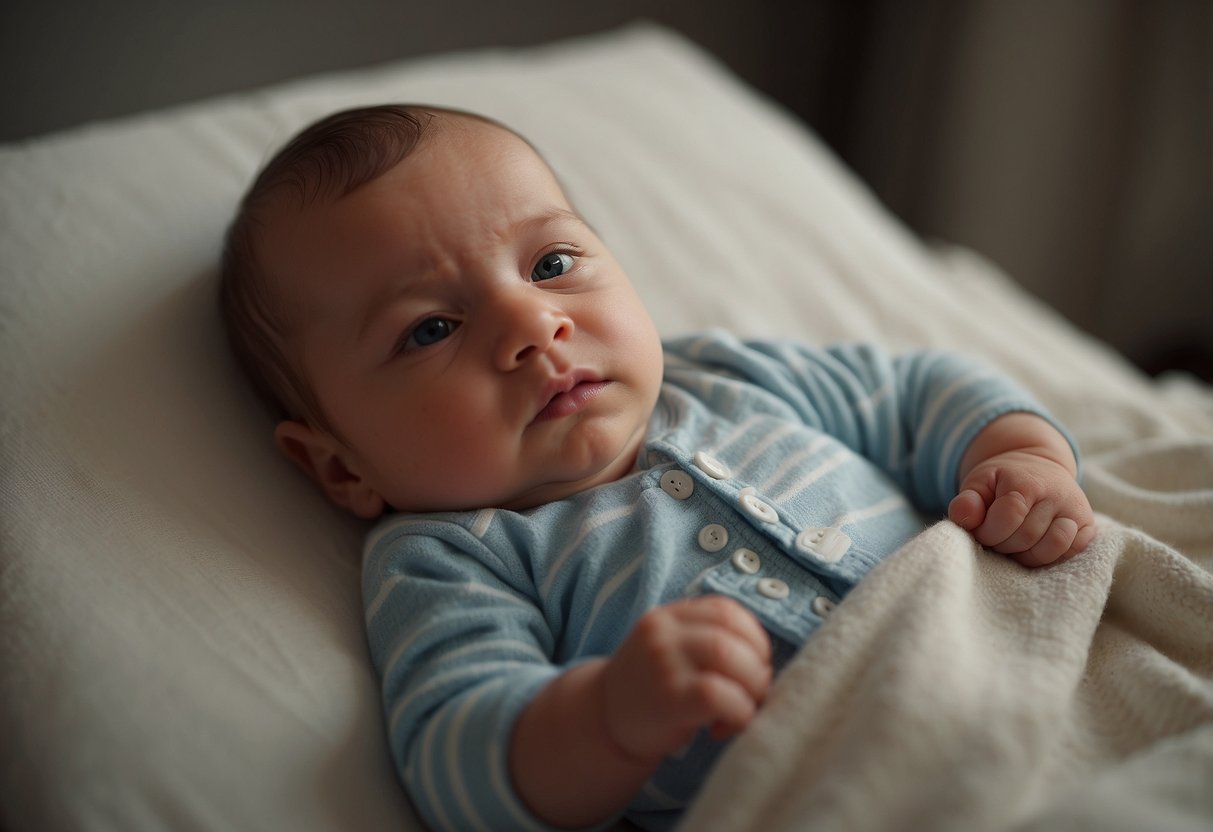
<point x="179" y="610"/>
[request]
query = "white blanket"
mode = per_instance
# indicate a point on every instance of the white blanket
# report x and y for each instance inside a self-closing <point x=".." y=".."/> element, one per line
<point x="954" y="689"/>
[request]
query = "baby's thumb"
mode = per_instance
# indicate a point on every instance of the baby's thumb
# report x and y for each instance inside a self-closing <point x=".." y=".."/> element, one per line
<point x="967" y="509"/>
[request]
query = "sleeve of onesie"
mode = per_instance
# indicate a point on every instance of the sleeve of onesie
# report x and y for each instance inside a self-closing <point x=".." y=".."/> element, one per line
<point x="461" y="648"/>
<point x="912" y="414"/>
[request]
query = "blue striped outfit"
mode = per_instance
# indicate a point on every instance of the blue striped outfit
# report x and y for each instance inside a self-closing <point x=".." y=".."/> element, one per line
<point x="774" y="473"/>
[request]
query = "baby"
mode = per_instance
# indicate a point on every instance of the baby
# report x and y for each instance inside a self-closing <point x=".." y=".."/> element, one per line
<point x="599" y="550"/>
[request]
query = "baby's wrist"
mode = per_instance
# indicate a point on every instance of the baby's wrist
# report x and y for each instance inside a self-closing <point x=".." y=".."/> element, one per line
<point x="607" y="723"/>
<point x="1018" y="433"/>
<point x="564" y="762"/>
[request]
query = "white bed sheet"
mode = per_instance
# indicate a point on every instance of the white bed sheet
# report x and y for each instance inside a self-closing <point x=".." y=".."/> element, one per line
<point x="179" y="612"/>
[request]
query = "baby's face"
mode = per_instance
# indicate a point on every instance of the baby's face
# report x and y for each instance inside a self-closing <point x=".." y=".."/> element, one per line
<point x="471" y="340"/>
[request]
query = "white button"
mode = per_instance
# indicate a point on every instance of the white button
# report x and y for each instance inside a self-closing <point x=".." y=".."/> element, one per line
<point x="713" y="537"/>
<point x="826" y="545"/>
<point x="747" y="561"/>
<point x="711" y="466"/>
<point x="678" y="484"/>
<point x="823" y="606"/>
<point x="773" y="588"/>
<point x="757" y="508"/>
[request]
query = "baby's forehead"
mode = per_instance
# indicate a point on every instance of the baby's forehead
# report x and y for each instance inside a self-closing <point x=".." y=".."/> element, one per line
<point x="470" y="153"/>
<point x="470" y="134"/>
<point x="457" y="153"/>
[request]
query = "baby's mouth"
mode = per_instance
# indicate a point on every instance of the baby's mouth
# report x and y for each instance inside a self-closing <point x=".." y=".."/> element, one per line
<point x="568" y="396"/>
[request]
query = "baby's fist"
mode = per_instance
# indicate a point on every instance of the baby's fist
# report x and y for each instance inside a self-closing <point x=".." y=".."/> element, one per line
<point x="1026" y="506"/>
<point x="690" y="663"/>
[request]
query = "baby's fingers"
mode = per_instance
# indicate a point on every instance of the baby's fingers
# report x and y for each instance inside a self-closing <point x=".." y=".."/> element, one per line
<point x="1051" y="545"/>
<point x="723" y="686"/>
<point x="1037" y="535"/>
<point x="717" y="652"/>
<point x="967" y="509"/>
<point x="1046" y="538"/>
<point x="725" y="613"/>
<point x="727" y="708"/>
<point x="1003" y="518"/>
<point x="1033" y="530"/>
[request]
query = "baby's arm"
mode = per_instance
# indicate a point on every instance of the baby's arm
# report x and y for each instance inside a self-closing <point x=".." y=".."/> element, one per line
<point x="1019" y="494"/>
<point x="592" y="737"/>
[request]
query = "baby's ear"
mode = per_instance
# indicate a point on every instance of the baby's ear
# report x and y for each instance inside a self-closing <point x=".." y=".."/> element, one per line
<point x="326" y="461"/>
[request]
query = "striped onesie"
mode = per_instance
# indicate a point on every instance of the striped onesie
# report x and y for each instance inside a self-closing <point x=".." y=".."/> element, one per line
<point x="774" y="473"/>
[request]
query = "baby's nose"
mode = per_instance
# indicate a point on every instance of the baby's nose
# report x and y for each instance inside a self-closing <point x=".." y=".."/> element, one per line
<point x="530" y="328"/>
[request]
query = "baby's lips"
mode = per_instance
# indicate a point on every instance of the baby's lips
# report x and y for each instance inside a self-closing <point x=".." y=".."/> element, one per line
<point x="558" y="387"/>
<point x="570" y="401"/>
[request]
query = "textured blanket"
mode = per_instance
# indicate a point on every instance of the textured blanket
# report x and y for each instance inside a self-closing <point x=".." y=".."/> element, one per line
<point x="954" y="689"/>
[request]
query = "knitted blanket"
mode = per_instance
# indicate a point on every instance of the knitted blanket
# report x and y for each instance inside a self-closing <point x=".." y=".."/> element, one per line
<point x="954" y="689"/>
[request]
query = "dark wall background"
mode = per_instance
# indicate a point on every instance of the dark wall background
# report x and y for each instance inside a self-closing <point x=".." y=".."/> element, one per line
<point x="1070" y="142"/>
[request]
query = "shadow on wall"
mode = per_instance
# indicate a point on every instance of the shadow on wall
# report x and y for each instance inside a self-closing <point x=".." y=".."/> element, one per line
<point x="1069" y="142"/>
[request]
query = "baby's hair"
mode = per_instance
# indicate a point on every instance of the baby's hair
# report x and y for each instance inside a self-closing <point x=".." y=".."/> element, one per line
<point x="327" y="160"/>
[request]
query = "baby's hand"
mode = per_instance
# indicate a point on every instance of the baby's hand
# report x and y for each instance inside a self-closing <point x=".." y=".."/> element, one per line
<point x="1024" y="505"/>
<point x="702" y="661"/>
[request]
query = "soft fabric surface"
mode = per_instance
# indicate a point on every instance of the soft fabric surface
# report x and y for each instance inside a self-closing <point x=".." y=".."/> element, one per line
<point x="954" y="689"/>
<point x="180" y="625"/>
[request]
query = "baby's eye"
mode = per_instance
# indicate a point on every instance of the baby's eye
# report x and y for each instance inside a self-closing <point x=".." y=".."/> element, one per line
<point x="431" y="331"/>
<point x="552" y="265"/>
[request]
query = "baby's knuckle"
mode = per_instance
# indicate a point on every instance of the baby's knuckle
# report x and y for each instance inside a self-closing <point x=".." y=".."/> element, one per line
<point x="653" y="640"/>
<point x="703" y="694"/>
<point x="653" y="624"/>
<point x="1018" y="504"/>
<point x="1052" y="545"/>
<point x="721" y="608"/>
<point x="659" y="653"/>
<point x="1060" y="534"/>
<point x="719" y="648"/>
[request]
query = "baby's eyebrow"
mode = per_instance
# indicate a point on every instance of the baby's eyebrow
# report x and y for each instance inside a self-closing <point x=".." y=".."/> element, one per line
<point x="547" y="216"/>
